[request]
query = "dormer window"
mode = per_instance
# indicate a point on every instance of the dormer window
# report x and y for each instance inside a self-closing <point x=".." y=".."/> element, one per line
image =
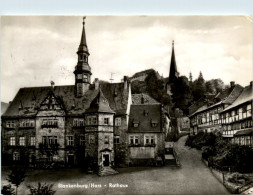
<point x="154" y="123"/>
<point x="136" y="124"/>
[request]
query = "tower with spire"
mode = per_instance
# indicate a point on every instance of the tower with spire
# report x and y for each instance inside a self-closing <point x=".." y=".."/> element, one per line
<point x="82" y="70"/>
<point x="173" y="75"/>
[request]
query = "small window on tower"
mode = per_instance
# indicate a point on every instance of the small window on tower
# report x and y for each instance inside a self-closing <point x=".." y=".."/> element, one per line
<point x="79" y="76"/>
<point x="85" y="78"/>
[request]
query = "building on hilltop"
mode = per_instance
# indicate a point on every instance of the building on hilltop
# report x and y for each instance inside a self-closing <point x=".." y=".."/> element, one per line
<point x="83" y="124"/>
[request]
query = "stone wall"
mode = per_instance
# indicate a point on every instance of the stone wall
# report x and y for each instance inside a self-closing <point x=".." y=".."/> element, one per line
<point x="121" y="147"/>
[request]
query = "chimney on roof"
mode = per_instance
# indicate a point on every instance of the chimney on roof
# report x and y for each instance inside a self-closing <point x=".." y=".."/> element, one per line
<point x="52" y="84"/>
<point x="251" y="83"/>
<point x="125" y="82"/>
<point x="96" y="84"/>
<point x="232" y="84"/>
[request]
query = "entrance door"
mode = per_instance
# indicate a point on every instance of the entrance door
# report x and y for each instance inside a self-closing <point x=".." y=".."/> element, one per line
<point x="106" y="159"/>
<point x="71" y="160"/>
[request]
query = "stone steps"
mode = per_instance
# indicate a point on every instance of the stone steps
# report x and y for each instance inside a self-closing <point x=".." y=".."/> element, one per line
<point x="107" y="171"/>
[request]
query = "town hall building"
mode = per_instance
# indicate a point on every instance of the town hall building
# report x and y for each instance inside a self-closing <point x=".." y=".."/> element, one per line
<point x="94" y="124"/>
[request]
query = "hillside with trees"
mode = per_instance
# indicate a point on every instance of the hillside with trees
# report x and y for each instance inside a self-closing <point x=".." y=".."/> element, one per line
<point x="185" y="90"/>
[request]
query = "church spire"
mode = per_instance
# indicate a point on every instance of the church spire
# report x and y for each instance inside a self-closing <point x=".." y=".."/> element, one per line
<point x="173" y="65"/>
<point x="83" y="44"/>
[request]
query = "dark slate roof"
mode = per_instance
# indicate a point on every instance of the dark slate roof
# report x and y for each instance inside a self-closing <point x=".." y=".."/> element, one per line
<point x="99" y="104"/>
<point x="245" y="96"/>
<point x="199" y="103"/>
<point x="4" y="107"/>
<point x="227" y="96"/>
<point x="137" y="115"/>
<point x="31" y="98"/>
<point x="137" y="99"/>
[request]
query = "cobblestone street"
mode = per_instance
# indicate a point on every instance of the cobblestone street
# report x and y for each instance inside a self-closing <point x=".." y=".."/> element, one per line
<point x="193" y="177"/>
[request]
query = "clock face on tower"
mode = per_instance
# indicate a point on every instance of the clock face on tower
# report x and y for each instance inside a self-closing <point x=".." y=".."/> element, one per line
<point x="79" y="76"/>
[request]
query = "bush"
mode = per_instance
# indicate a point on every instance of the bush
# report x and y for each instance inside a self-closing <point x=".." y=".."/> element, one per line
<point x="7" y="190"/>
<point x="42" y="189"/>
<point x="221" y="153"/>
<point x="200" y="140"/>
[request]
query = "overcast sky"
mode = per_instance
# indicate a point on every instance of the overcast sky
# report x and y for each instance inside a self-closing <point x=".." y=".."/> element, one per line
<point x="38" y="49"/>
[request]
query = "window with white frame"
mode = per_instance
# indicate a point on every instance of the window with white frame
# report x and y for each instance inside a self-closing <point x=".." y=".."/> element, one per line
<point x="131" y="139"/>
<point x="249" y="110"/>
<point x="92" y="120"/>
<point x="16" y="156"/>
<point x="50" y="140"/>
<point x="26" y="123"/>
<point x="82" y="140"/>
<point x="91" y="139"/>
<point x="32" y="141"/>
<point x="118" y="121"/>
<point x="52" y="123"/>
<point x="10" y="124"/>
<point x="149" y="139"/>
<point x="70" y="140"/>
<point x="12" y="141"/>
<point x="116" y="139"/>
<point x="44" y="140"/>
<point x="75" y="122"/>
<point x="55" y="140"/>
<point x="22" y="141"/>
<point x="106" y="139"/>
<point x="106" y="121"/>
<point x="134" y="139"/>
<point x="78" y="122"/>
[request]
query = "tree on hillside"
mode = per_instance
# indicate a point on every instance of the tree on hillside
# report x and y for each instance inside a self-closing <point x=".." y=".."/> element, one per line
<point x="214" y="86"/>
<point x="199" y="87"/>
<point x="138" y="87"/>
<point x="181" y="93"/>
<point x="155" y="88"/>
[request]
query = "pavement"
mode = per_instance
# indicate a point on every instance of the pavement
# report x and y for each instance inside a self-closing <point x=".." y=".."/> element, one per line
<point x="193" y="177"/>
<point x="249" y="191"/>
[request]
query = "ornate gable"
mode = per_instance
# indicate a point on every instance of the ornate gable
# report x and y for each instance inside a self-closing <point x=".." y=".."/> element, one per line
<point x="51" y="106"/>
